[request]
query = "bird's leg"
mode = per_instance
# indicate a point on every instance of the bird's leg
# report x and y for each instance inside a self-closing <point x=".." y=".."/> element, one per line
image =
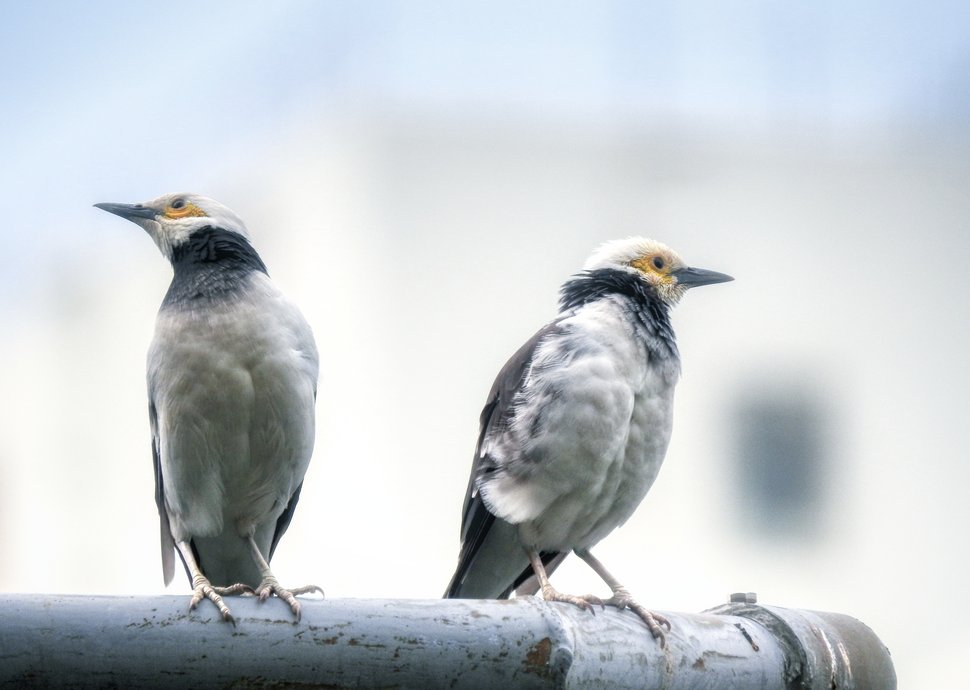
<point x="550" y="593"/>
<point x="622" y="598"/>
<point x="203" y="589"/>
<point x="270" y="585"/>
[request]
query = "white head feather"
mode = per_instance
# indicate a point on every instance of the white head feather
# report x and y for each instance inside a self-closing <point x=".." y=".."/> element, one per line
<point x="176" y="216"/>
<point x="655" y="263"/>
<point x="622" y="253"/>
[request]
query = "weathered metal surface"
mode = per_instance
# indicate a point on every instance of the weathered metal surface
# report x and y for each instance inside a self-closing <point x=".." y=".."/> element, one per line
<point x="146" y="642"/>
<point x="824" y="650"/>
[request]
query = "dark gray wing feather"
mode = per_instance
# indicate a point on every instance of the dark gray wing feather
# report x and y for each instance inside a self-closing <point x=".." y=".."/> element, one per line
<point x="485" y="538"/>
<point x="284" y="520"/>
<point x="167" y="541"/>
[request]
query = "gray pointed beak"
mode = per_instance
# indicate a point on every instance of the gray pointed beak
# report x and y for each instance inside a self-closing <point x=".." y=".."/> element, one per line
<point x="692" y="277"/>
<point x="132" y="212"/>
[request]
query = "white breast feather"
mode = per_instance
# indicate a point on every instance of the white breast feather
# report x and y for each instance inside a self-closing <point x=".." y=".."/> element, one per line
<point x="234" y="395"/>
<point x="605" y="420"/>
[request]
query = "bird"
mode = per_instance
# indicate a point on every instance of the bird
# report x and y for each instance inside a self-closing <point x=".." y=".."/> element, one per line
<point x="575" y="429"/>
<point x="232" y="382"/>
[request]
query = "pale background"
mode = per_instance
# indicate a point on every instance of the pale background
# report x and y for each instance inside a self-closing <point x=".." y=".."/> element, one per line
<point x="421" y="178"/>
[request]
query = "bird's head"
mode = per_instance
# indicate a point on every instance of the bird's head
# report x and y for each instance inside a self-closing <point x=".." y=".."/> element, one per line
<point x="171" y="219"/>
<point x="654" y="263"/>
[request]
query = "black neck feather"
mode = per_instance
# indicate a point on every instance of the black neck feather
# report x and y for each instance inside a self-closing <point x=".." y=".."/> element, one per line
<point x="648" y="312"/>
<point x="212" y="262"/>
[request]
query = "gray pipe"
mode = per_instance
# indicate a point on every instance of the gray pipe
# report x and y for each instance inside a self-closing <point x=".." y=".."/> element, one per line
<point x="153" y="642"/>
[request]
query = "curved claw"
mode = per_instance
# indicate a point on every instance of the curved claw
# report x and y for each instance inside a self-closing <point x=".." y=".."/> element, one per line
<point x="653" y="621"/>
<point x="270" y="585"/>
<point x="595" y="601"/>
<point x="622" y="599"/>
<point x="204" y="590"/>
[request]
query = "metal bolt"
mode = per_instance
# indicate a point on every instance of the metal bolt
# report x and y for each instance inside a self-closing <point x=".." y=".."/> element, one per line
<point x="743" y="598"/>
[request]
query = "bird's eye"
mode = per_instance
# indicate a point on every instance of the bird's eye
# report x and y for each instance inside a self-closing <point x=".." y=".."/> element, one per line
<point x="181" y="207"/>
<point x="658" y="263"/>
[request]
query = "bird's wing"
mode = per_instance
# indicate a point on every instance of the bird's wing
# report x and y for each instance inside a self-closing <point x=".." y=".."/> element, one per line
<point x="168" y="542"/>
<point x="492" y="562"/>
<point x="283" y="521"/>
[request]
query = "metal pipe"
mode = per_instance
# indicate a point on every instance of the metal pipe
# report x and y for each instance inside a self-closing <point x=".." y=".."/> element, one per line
<point x="153" y="642"/>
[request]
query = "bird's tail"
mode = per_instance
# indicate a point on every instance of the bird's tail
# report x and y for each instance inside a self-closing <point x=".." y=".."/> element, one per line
<point x="493" y="563"/>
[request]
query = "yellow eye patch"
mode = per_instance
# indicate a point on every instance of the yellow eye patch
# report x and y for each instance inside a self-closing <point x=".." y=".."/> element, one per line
<point x="653" y="263"/>
<point x="183" y="209"/>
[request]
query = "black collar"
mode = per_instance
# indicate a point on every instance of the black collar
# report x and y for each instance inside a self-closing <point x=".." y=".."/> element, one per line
<point x="212" y="262"/>
<point x="649" y="313"/>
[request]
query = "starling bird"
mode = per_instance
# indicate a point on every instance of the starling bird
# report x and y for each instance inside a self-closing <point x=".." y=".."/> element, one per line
<point x="576" y="427"/>
<point x="232" y="379"/>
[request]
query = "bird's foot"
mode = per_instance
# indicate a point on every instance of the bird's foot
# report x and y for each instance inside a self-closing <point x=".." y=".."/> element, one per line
<point x="622" y="599"/>
<point x="550" y="593"/>
<point x="270" y="585"/>
<point x="203" y="589"/>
